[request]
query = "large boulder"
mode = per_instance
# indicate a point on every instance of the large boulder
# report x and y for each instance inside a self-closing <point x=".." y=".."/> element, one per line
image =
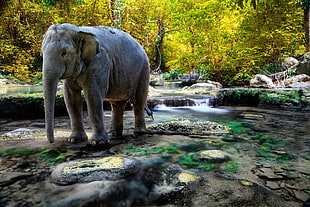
<point x="207" y="87"/>
<point x="261" y="81"/>
<point x="297" y="79"/>
<point x="289" y="62"/>
<point x="304" y="65"/>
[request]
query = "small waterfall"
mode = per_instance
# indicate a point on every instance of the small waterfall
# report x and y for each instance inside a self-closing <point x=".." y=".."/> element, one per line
<point x="205" y="102"/>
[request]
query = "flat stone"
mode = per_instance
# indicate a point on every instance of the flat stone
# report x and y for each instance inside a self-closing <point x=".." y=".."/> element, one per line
<point x="212" y="155"/>
<point x="272" y="185"/>
<point x="107" y="168"/>
<point x="269" y="174"/>
<point x="301" y="195"/>
<point x="8" y="178"/>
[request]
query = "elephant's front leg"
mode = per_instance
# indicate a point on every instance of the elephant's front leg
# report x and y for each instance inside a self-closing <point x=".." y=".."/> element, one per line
<point x="95" y="111"/>
<point x="118" y="108"/>
<point x="73" y="100"/>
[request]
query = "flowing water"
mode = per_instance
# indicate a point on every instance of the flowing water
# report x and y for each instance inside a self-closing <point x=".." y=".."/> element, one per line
<point x="270" y="147"/>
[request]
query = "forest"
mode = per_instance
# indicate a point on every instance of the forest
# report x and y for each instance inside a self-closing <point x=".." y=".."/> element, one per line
<point x="222" y="40"/>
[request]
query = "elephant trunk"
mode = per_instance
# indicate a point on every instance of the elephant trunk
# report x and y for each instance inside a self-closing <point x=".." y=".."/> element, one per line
<point x="50" y="87"/>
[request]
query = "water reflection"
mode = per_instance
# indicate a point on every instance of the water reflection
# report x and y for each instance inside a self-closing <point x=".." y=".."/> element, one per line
<point x="20" y="89"/>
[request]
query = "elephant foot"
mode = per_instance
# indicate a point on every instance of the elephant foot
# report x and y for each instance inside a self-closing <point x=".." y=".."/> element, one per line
<point x="139" y="132"/>
<point x="99" y="139"/>
<point x="76" y="137"/>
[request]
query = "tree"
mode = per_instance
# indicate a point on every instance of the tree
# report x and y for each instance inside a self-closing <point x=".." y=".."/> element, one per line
<point x="305" y="5"/>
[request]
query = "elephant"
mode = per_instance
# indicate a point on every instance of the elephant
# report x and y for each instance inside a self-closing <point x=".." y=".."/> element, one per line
<point x="103" y="62"/>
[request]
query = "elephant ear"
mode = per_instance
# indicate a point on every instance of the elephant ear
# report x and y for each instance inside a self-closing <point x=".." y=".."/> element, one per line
<point x="89" y="46"/>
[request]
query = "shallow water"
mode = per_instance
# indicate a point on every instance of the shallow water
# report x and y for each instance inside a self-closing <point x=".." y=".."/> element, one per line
<point x="20" y="89"/>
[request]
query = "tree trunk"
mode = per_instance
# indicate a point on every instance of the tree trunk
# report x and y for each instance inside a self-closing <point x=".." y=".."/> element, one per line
<point x="307" y="27"/>
<point x="159" y="62"/>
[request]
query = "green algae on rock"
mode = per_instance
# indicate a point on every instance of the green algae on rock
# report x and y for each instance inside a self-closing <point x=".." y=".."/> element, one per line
<point x="185" y="126"/>
<point x="212" y="156"/>
<point x="107" y="168"/>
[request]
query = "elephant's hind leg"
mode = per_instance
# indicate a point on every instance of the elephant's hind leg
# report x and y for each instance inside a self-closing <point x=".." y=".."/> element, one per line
<point x="118" y="108"/>
<point x="139" y="105"/>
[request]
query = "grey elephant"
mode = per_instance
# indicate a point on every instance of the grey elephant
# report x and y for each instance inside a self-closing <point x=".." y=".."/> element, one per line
<point x="104" y="63"/>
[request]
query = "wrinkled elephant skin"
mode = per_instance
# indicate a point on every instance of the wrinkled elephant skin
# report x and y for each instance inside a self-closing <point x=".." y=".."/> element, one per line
<point x="104" y="63"/>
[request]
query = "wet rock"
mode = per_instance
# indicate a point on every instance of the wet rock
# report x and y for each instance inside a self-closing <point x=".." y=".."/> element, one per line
<point x="107" y="168"/>
<point x="272" y="185"/>
<point x="224" y="190"/>
<point x="268" y="173"/>
<point x="289" y="62"/>
<point x="299" y="85"/>
<point x="303" y="67"/>
<point x="261" y="81"/>
<point x="297" y="78"/>
<point x="19" y="133"/>
<point x="212" y="156"/>
<point x="185" y="126"/>
<point x="7" y="178"/>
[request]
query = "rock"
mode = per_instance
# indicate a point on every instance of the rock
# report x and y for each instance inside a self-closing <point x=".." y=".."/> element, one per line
<point x="299" y="85"/>
<point x="289" y="62"/>
<point x="187" y="178"/>
<point x="4" y="81"/>
<point x="156" y="80"/>
<point x="19" y="133"/>
<point x="261" y="81"/>
<point x="202" y="88"/>
<point x="272" y="185"/>
<point x="185" y="126"/>
<point x="304" y="65"/>
<point x="7" y="178"/>
<point x="297" y="78"/>
<point x="268" y="174"/>
<point x="212" y="156"/>
<point x="107" y="168"/>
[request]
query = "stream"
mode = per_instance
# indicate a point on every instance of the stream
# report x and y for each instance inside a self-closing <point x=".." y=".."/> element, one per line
<point x="269" y="154"/>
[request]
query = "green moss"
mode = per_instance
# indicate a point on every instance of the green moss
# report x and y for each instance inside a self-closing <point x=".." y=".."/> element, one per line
<point x="189" y="160"/>
<point x="233" y="166"/>
<point x="294" y="97"/>
<point x="267" y="144"/>
<point x="54" y="155"/>
<point x="20" y="152"/>
<point x="236" y="127"/>
<point x="167" y="149"/>
<point x="138" y="151"/>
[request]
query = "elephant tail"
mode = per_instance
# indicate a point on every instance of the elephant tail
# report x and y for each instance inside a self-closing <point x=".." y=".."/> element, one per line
<point x="149" y="112"/>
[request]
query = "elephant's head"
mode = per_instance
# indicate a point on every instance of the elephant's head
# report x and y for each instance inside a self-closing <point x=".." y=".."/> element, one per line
<point x="66" y="50"/>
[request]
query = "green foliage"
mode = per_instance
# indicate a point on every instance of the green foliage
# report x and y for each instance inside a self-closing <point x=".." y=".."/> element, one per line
<point x="224" y="40"/>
